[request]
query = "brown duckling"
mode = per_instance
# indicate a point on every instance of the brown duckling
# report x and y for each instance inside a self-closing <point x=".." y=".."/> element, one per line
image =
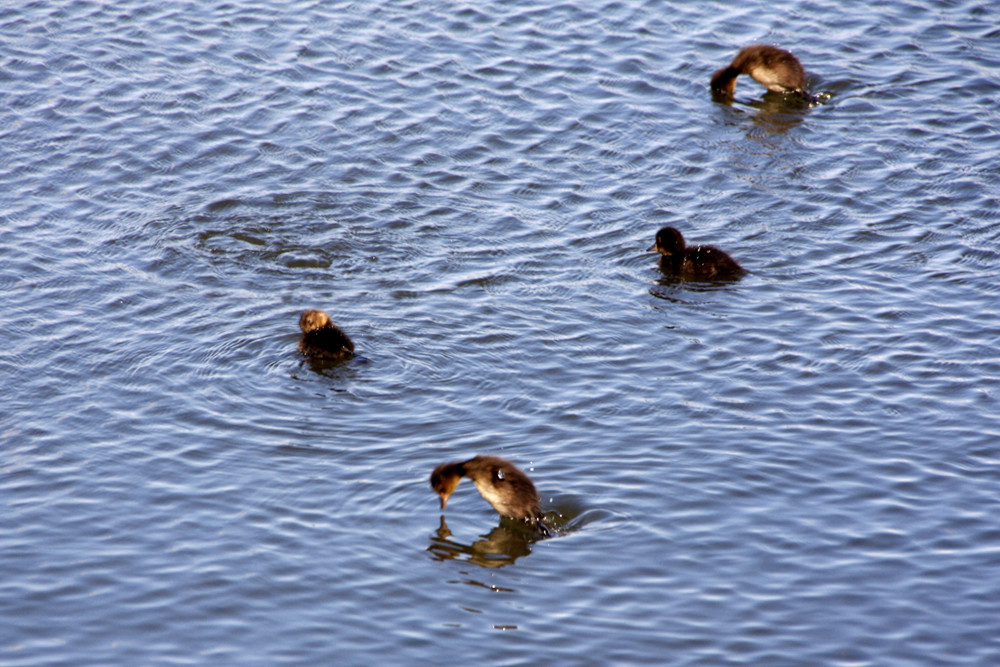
<point x="703" y="262"/>
<point x="322" y="339"/>
<point x="774" y="68"/>
<point x="504" y="486"/>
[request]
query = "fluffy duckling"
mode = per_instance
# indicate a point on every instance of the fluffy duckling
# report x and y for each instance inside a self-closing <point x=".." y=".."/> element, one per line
<point x="774" y="68"/>
<point x="322" y="339"/>
<point x="500" y="482"/>
<point x="703" y="262"/>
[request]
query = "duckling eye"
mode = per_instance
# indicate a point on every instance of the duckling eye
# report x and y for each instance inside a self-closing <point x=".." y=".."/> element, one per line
<point x="500" y="475"/>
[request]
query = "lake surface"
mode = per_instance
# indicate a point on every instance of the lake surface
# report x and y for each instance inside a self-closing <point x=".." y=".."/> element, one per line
<point x="801" y="467"/>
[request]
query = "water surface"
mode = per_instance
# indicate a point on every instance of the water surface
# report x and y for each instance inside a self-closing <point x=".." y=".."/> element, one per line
<point x="797" y="468"/>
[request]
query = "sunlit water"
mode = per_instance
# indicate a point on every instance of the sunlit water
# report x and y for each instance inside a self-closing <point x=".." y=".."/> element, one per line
<point x="802" y="467"/>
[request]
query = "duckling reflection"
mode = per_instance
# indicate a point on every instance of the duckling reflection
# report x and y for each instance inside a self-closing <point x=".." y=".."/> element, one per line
<point x="776" y="69"/>
<point x="501" y="483"/>
<point x="699" y="263"/>
<point x="501" y="546"/>
<point x="322" y="339"/>
<point x="772" y="117"/>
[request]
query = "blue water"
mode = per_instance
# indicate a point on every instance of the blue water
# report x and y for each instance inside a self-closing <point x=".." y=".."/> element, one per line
<point x="802" y="467"/>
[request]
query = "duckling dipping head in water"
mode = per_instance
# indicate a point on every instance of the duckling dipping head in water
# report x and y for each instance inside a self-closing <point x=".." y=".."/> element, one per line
<point x="775" y="69"/>
<point x="703" y="262"/>
<point x="322" y="339"/>
<point x="500" y="482"/>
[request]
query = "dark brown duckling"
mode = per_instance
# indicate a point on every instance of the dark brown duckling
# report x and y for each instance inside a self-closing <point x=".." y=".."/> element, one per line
<point x="504" y="486"/>
<point x="774" y="68"/>
<point x="322" y="339"/>
<point x="703" y="262"/>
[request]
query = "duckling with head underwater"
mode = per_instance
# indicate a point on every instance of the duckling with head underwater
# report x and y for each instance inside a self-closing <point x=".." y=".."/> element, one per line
<point x="776" y="69"/>
<point x="501" y="483"/>
<point x="700" y="263"/>
<point x="322" y="339"/>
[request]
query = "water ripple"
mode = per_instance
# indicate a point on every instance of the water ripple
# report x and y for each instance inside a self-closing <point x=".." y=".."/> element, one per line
<point x="797" y="467"/>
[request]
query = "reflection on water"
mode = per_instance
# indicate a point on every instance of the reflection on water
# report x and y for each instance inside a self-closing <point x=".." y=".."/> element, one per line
<point x="776" y="112"/>
<point x="512" y="539"/>
<point x="339" y="371"/>
<point x="501" y="546"/>
<point x="675" y="290"/>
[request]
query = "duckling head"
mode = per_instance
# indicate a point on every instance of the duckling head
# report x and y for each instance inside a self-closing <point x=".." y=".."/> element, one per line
<point x="312" y="320"/>
<point x="445" y="478"/>
<point x="669" y="240"/>
<point x="724" y="81"/>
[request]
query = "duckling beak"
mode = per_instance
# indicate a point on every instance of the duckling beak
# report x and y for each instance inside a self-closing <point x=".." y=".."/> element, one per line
<point x="444" y="500"/>
<point x="651" y="248"/>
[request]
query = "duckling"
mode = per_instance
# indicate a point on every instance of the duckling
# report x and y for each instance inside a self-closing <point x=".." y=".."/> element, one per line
<point x="322" y="339"/>
<point x="775" y="69"/>
<point x="703" y="262"/>
<point x="501" y="483"/>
